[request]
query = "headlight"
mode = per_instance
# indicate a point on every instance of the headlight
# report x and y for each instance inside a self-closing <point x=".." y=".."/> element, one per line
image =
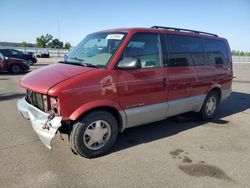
<point x="54" y="107"/>
<point x="26" y="62"/>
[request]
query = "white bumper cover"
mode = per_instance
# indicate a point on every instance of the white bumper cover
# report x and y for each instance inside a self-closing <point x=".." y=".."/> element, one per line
<point x="44" y="127"/>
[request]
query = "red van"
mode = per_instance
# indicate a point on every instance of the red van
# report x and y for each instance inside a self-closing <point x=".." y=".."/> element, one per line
<point x="121" y="78"/>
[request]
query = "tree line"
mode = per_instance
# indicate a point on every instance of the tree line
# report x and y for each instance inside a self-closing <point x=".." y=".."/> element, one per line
<point x="48" y="41"/>
<point x="240" y="53"/>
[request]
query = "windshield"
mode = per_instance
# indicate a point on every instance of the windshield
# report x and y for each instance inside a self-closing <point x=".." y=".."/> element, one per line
<point x="96" y="49"/>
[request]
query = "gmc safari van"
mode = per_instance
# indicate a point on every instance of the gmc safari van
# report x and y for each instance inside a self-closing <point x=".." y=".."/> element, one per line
<point x="121" y="78"/>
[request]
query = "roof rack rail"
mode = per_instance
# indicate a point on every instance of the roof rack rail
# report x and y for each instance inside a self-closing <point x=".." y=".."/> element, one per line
<point x="180" y="29"/>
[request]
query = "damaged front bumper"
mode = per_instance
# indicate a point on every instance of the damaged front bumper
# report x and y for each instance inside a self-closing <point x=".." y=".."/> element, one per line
<point x="44" y="125"/>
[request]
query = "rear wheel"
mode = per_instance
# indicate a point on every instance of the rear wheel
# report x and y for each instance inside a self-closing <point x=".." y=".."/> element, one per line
<point x="94" y="134"/>
<point x="209" y="106"/>
<point x="15" y="69"/>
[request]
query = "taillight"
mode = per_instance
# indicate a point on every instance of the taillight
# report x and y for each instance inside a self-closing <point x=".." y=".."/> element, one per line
<point x="54" y="106"/>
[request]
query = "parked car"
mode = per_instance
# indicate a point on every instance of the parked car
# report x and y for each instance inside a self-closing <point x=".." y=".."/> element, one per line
<point x="121" y="78"/>
<point x="31" y="54"/>
<point x="44" y="53"/>
<point x="13" y="65"/>
<point x="12" y="53"/>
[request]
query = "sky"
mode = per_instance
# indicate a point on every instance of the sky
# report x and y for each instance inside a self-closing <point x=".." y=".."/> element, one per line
<point x="24" y="20"/>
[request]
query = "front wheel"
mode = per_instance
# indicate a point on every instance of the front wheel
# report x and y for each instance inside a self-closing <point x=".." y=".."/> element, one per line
<point x="15" y="69"/>
<point x="209" y="106"/>
<point x="94" y="134"/>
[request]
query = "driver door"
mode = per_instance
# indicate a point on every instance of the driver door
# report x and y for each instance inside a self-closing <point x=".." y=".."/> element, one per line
<point x="143" y="91"/>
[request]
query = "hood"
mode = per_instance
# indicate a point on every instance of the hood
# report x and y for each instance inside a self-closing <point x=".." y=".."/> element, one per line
<point x="42" y="79"/>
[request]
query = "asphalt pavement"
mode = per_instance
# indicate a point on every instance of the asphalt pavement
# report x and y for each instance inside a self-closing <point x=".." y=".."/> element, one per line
<point x="182" y="151"/>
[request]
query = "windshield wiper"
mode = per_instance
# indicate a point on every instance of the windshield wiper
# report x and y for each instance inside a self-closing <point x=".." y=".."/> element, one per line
<point x="81" y="62"/>
<point x="78" y="59"/>
<point x="91" y="65"/>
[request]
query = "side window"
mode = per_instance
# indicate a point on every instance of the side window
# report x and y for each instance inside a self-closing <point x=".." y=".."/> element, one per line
<point x="216" y="51"/>
<point x="15" y="52"/>
<point x="184" y="51"/>
<point x="146" y="48"/>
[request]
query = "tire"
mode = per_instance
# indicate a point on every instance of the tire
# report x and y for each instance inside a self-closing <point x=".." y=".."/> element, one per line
<point x="94" y="134"/>
<point x="209" y="106"/>
<point x="34" y="61"/>
<point x="16" y="69"/>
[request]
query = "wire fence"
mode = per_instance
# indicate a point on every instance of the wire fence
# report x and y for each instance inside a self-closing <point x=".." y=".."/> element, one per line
<point x="241" y="59"/>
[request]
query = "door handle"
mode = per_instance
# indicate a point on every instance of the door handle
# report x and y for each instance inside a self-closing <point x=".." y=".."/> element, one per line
<point x="164" y="82"/>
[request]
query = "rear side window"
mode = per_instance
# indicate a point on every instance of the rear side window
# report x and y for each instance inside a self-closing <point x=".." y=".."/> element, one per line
<point x="15" y="52"/>
<point x="216" y="51"/>
<point x="146" y="48"/>
<point x="184" y="50"/>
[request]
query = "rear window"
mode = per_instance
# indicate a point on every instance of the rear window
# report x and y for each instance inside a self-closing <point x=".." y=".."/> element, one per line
<point x="184" y="50"/>
<point x="216" y="51"/>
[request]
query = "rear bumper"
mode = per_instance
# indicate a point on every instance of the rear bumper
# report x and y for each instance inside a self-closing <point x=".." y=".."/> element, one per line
<point x="44" y="127"/>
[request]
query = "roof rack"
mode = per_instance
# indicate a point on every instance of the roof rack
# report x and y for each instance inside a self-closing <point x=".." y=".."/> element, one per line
<point x="187" y="30"/>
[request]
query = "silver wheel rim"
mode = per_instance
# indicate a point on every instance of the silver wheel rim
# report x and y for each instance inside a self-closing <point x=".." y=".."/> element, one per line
<point x="15" y="69"/>
<point x="211" y="105"/>
<point x="97" y="135"/>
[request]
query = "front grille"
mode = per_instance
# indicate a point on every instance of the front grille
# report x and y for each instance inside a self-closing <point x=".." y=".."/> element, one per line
<point x="35" y="99"/>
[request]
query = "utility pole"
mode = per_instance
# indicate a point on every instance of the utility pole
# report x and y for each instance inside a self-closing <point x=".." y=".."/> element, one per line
<point x="58" y="27"/>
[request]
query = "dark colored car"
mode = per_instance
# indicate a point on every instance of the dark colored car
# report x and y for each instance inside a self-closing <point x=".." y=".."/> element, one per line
<point x="31" y="54"/>
<point x="12" y="53"/>
<point x="13" y="65"/>
<point x="44" y="53"/>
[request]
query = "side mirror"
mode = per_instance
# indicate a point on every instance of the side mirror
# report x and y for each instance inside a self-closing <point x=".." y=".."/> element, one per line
<point x="129" y="63"/>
